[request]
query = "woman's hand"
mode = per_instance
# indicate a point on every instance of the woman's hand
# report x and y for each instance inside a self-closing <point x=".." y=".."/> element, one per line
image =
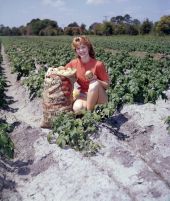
<point x="93" y="79"/>
<point x="104" y="84"/>
<point x="90" y="76"/>
<point x="61" y="68"/>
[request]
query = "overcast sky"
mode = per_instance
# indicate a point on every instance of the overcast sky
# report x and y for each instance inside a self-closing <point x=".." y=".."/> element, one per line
<point x="20" y="12"/>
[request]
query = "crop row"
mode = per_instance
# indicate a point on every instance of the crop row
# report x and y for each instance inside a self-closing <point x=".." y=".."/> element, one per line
<point x="6" y="145"/>
<point x="2" y="82"/>
<point x="149" y="44"/>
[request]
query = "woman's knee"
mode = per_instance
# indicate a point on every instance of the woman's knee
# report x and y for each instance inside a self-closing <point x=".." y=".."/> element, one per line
<point x="78" y="106"/>
<point x="94" y="86"/>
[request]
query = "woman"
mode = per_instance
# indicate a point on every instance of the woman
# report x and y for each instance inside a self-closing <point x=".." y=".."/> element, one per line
<point x="93" y="90"/>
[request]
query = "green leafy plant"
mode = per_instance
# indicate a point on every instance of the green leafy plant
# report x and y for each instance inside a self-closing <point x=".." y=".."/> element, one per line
<point x="34" y="83"/>
<point x="6" y="145"/>
<point x="167" y="121"/>
<point x="2" y="83"/>
<point x="2" y="89"/>
<point x="74" y="131"/>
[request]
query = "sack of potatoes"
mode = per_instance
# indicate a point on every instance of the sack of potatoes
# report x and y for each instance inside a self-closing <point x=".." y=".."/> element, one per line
<point x="57" y="93"/>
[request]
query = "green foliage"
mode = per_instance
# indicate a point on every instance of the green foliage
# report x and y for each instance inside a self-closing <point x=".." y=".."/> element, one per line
<point x="163" y="26"/>
<point x="25" y="53"/>
<point x="137" y="80"/>
<point x="150" y="44"/>
<point x="2" y="89"/>
<point x="167" y="121"/>
<point x="35" y="83"/>
<point x="115" y="26"/>
<point x="2" y="83"/>
<point x="0" y="56"/>
<point x="107" y="28"/>
<point x="6" y="145"/>
<point x="146" y="27"/>
<point x="71" y="130"/>
<point x="22" y="61"/>
<point x="36" y="26"/>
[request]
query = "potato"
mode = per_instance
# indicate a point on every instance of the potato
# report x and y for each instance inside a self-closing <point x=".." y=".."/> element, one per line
<point x="89" y="75"/>
<point x="61" y="71"/>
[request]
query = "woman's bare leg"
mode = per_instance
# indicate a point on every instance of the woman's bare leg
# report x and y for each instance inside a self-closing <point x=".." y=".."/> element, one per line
<point x="96" y="95"/>
<point x="79" y="105"/>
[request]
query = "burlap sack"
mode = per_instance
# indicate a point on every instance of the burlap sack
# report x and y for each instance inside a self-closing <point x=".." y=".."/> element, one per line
<point x="57" y="94"/>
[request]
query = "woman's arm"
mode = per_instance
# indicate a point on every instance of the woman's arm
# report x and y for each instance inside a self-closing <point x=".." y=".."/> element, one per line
<point x="104" y="84"/>
<point x="102" y="75"/>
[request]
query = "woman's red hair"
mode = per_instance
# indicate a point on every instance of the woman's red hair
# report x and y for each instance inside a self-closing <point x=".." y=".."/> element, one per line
<point x="83" y="40"/>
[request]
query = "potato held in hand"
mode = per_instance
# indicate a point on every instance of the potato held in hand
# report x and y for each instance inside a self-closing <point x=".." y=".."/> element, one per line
<point x="89" y="75"/>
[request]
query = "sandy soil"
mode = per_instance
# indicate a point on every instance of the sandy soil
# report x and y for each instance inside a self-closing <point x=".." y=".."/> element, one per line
<point x="132" y="165"/>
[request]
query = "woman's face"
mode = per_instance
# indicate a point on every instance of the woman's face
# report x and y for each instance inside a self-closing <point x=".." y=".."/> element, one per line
<point x="82" y="51"/>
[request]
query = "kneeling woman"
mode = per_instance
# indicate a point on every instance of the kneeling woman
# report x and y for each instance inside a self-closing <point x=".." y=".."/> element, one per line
<point x="92" y="87"/>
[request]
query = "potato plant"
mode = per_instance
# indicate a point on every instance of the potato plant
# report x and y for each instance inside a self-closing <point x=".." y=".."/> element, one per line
<point x="2" y="83"/>
<point x="167" y="121"/>
<point x="73" y="130"/>
<point x="6" y="144"/>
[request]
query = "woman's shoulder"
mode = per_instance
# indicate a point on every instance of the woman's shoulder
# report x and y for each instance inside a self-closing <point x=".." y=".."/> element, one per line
<point x="99" y="63"/>
<point x="73" y="61"/>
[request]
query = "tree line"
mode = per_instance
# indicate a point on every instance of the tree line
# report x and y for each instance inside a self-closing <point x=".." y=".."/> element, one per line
<point x="115" y="26"/>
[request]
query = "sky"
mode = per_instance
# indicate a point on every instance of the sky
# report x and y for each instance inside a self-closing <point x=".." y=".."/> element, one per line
<point x="15" y="13"/>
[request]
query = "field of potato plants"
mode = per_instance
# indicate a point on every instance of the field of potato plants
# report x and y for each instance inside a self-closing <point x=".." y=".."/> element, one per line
<point x="134" y="79"/>
<point x="6" y="145"/>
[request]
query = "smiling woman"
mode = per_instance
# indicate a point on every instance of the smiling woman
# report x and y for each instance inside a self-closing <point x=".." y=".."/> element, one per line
<point x="92" y="88"/>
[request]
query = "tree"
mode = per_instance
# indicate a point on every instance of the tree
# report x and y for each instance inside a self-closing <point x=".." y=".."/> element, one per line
<point x="132" y="29"/>
<point x="146" y="27"/>
<point x="135" y="27"/>
<point x="73" y="24"/>
<point x="119" y="19"/>
<point x="135" y="22"/>
<point x="127" y="18"/>
<point x="163" y="26"/>
<point x="15" y="31"/>
<point x="36" y="26"/>
<point x="23" y="30"/>
<point x="107" y="28"/>
<point x="96" y="28"/>
<point x="83" y="29"/>
<point x="48" y="31"/>
<point x="1" y="29"/>
<point x="29" y="30"/>
<point x="113" y="20"/>
<point x="121" y="28"/>
<point x="92" y="27"/>
<point x="5" y="31"/>
<point x="60" y="31"/>
<point x="125" y="25"/>
<point x="72" y="31"/>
